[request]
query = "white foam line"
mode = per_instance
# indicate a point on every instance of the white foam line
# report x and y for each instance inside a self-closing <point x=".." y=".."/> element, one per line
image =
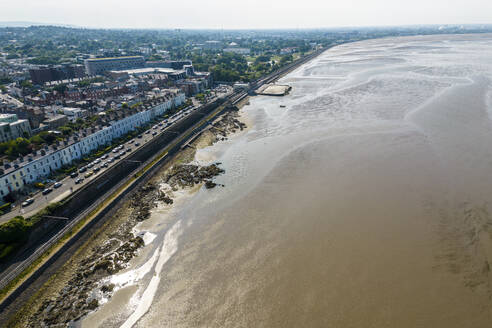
<point x="169" y="247"/>
<point x="132" y="276"/>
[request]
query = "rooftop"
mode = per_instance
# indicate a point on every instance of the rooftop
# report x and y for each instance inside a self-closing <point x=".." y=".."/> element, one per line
<point x="112" y="58"/>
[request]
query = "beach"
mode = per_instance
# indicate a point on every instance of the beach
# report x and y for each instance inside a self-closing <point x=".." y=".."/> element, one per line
<point x="360" y="199"/>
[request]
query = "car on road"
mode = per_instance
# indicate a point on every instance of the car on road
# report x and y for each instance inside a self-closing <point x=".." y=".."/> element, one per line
<point x="105" y="164"/>
<point x="97" y="161"/>
<point x="74" y="174"/>
<point x="90" y="165"/>
<point x="122" y="153"/>
<point x="154" y="133"/>
<point x="128" y="150"/>
<point x="117" y="156"/>
<point x="147" y="132"/>
<point x="104" y="156"/>
<point x="88" y="174"/>
<point x="96" y="169"/>
<point x="131" y="141"/>
<point x="139" y="136"/>
<point x="79" y="180"/>
<point x="83" y="169"/>
<point x="27" y="202"/>
<point x="137" y="144"/>
<point x="110" y="160"/>
<point x="115" y="150"/>
<point x="47" y="191"/>
<point x="57" y="185"/>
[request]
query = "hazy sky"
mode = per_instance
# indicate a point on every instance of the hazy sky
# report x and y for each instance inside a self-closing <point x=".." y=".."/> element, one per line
<point x="246" y="13"/>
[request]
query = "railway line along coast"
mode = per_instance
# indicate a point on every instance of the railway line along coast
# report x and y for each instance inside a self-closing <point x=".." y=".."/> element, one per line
<point x="90" y="207"/>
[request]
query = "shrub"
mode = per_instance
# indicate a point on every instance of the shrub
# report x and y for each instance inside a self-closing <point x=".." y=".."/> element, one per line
<point x="15" y="230"/>
<point x="6" y="250"/>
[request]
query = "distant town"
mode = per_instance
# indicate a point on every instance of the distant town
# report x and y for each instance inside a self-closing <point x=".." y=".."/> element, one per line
<point x="68" y="95"/>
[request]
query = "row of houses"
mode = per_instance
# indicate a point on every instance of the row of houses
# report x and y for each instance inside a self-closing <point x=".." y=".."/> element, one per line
<point x="36" y="168"/>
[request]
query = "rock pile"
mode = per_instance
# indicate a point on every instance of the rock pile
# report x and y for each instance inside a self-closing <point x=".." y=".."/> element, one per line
<point x="228" y="124"/>
<point x="75" y="299"/>
<point x="188" y="175"/>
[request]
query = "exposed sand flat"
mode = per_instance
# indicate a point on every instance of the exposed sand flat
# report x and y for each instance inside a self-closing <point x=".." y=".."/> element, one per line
<point x="365" y="202"/>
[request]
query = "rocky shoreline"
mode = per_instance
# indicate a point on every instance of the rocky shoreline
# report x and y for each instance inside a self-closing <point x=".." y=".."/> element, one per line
<point x="79" y="296"/>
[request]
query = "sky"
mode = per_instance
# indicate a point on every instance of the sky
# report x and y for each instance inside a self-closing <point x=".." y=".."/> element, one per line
<point x="246" y="14"/>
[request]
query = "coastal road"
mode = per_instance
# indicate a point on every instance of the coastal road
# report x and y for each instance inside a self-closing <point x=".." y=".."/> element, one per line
<point x="68" y="184"/>
<point x="175" y="134"/>
<point x="182" y="126"/>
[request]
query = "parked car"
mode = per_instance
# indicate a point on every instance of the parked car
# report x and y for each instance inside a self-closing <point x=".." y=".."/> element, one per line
<point x="27" y="202"/>
<point x="83" y="169"/>
<point x="88" y="174"/>
<point x="57" y="185"/>
<point x="47" y="191"/>
<point x="79" y="180"/>
<point x="74" y="174"/>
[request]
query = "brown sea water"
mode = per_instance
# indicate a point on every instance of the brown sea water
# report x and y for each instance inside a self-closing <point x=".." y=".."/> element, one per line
<point x="365" y="202"/>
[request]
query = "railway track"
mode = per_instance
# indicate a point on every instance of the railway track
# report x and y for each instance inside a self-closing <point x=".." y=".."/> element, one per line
<point x="232" y="100"/>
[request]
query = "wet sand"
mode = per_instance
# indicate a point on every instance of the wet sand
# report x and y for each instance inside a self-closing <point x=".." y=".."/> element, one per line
<point x="364" y="202"/>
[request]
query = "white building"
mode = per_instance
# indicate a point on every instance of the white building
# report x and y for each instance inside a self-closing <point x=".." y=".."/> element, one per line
<point x="74" y="113"/>
<point x="34" y="168"/>
<point x="11" y="127"/>
<point x="212" y="44"/>
<point x="241" y="51"/>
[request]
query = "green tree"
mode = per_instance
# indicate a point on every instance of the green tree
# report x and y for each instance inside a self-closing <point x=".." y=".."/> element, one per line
<point x="14" y="231"/>
<point x="26" y="84"/>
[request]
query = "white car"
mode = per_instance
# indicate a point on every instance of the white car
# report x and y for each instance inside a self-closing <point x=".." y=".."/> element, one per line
<point x="27" y="202"/>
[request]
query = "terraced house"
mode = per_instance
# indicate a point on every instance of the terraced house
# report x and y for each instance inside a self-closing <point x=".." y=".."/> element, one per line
<point x="34" y="168"/>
